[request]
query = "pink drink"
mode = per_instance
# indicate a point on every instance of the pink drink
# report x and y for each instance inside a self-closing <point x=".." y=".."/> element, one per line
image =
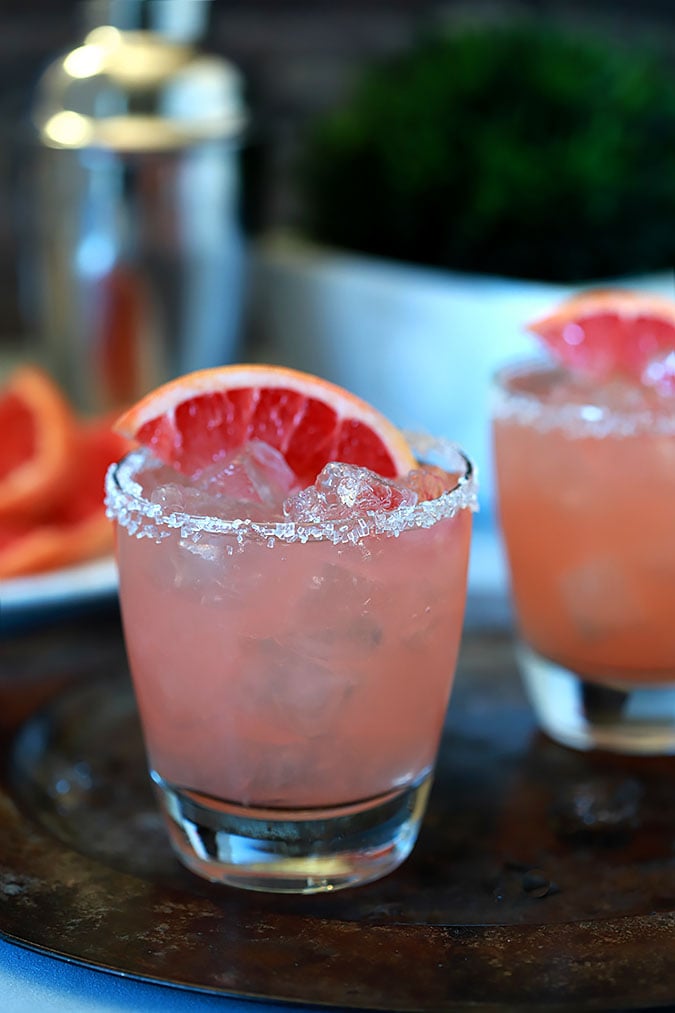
<point x="586" y="478"/>
<point x="297" y="668"/>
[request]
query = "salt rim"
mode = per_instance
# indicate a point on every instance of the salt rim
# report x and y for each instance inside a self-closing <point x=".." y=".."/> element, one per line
<point x="126" y="504"/>
<point x="578" y="420"/>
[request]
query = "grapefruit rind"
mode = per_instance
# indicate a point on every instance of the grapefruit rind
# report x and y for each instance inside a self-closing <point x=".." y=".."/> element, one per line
<point x="625" y="303"/>
<point x="31" y="488"/>
<point x="47" y="546"/>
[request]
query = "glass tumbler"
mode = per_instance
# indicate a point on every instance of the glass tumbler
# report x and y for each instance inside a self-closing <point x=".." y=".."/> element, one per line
<point x="292" y="680"/>
<point x="586" y="484"/>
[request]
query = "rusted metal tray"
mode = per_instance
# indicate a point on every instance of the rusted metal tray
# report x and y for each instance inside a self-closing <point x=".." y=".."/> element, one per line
<point x="543" y="879"/>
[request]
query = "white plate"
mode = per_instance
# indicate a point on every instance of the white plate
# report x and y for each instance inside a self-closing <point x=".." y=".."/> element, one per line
<point x="72" y="586"/>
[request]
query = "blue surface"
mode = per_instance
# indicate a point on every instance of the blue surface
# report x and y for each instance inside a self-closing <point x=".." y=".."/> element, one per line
<point x="33" y="983"/>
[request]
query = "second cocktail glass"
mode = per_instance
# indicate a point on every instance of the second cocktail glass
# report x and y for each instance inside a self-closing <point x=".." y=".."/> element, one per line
<point x="586" y="479"/>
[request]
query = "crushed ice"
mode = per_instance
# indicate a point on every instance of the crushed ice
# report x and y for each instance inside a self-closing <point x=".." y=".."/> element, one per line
<point x="341" y="490"/>
<point x="346" y="504"/>
<point x="254" y="473"/>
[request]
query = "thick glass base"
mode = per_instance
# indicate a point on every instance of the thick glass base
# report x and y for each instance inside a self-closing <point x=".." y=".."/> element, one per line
<point x="282" y="851"/>
<point x="617" y="717"/>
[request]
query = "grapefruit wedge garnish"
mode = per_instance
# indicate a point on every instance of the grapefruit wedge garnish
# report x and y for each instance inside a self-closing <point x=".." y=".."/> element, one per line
<point x="38" y="436"/>
<point x="52" y="470"/>
<point x="613" y="332"/>
<point x="75" y="528"/>
<point x="199" y="418"/>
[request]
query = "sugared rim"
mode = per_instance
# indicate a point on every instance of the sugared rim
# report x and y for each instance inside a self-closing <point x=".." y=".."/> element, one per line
<point x="126" y="504"/>
<point x="582" y="418"/>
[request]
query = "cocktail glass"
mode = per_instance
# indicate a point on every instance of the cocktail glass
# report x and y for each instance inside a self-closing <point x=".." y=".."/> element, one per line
<point x="586" y="482"/>
<point x="292" y="678"/>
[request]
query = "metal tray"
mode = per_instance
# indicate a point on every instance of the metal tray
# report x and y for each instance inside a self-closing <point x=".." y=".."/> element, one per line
<point x="542" y="879"/>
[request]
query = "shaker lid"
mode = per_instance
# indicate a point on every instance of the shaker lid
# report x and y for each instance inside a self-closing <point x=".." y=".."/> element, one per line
<point x="139" y="89"/>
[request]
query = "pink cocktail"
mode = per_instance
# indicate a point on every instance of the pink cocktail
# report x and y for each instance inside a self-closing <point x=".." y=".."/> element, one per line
<point x="293" y="667"/>
<point x="586" y="477"/>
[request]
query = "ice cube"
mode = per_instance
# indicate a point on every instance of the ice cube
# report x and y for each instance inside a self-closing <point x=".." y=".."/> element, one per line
<point x="429" y="482"/>
<point x="600" y="598"/>
<point x="174" y="494"/>
<point x="170" y="497"/>
<point x="298" y="695"/>
<point x="343" y="492"/>
<point x="336" y="619"/>
<point x="249" y="483"/>
<point x="180" y="498"/>
<point x="161" y="476"/>
<point x="255" y="473"/>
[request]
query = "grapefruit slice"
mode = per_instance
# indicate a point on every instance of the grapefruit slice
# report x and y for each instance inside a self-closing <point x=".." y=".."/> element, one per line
<point x="198" y="418"/>
<point x="611" y="332"/>
<point x="76" y="528"/>
<point x="38" y="436"/>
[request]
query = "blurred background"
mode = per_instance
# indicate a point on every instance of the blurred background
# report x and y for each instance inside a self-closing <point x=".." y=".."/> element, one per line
<point x="298" y="58"/>
<point x="379" y="191"/>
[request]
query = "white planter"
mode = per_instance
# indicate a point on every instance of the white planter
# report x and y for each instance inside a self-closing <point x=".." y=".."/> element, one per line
<point x="419" y="344"/>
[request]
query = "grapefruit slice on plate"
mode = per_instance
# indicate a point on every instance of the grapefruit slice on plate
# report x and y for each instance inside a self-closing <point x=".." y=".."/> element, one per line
<point x="197" y="419"/>
<point x="75" y="528"/>
<point x="612" y="332"/>
<point x="38" y="438"/>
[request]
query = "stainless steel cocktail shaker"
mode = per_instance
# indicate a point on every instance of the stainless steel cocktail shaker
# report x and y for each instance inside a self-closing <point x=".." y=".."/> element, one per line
<point x="137" y="248"/>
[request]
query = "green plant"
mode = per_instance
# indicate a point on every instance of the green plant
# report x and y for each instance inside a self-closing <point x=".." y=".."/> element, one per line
<point x="517" y="150"/>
